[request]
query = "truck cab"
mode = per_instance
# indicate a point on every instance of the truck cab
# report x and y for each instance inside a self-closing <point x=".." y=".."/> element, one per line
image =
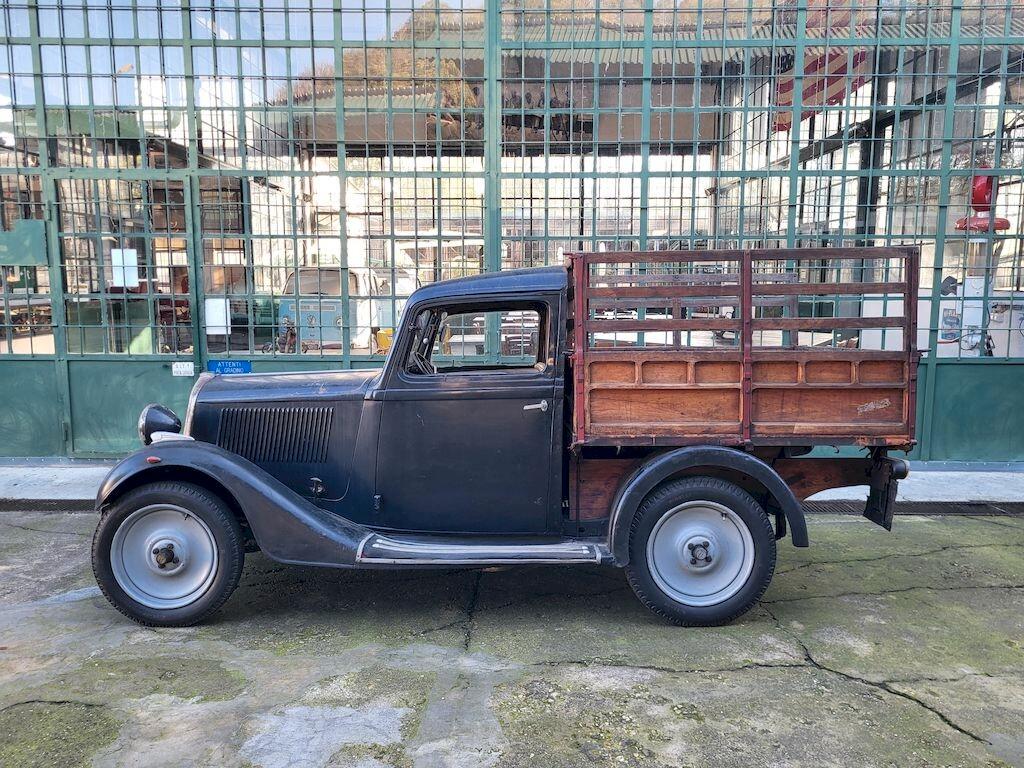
<point x="461" y="432"/>
<point x="510" y="424"/>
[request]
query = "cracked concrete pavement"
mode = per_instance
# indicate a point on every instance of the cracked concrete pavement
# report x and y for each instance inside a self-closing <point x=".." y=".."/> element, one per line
<point x="871" y="649"/>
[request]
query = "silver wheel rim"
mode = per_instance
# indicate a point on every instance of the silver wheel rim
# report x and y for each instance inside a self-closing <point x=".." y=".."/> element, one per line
<point x="163" y="556"/>
<point x="700" y="553"/>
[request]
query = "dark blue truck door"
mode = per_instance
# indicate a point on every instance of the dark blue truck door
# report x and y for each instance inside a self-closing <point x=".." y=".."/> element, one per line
<point x="470" y="451"/>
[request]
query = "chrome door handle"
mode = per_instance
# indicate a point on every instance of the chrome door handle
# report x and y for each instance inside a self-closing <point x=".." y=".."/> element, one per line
<point x="542" y="406"/>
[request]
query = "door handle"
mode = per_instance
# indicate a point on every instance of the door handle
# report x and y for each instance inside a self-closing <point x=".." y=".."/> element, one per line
<point x="542" y="406"/>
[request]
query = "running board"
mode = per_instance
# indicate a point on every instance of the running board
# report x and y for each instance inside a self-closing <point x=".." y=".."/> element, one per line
<point x="377" y="549"/>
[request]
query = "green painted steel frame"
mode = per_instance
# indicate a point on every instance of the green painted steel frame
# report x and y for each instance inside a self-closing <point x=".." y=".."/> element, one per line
<point x="793" y="177"/>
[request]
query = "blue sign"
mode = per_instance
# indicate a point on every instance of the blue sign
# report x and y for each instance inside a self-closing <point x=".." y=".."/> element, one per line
<point x="229" y="366"/>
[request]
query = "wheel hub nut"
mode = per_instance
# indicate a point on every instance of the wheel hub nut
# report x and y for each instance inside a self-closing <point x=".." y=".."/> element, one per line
<point x="165" y="556"/>
<point x="699" y="552"/>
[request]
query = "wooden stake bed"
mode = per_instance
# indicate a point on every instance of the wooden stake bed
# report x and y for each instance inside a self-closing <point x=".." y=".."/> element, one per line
<point x="756" y="347"/>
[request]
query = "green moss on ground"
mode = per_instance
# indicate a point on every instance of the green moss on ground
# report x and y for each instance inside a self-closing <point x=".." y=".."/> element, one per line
<point x="45" y="734"/>
<point x="391" y="755"/>
<point x="562" y="725"/>
<point x="185" y="678"/>
<point x="307" y="611"/>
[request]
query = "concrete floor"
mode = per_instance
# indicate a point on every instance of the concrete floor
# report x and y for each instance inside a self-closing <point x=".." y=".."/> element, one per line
<point x="870" y="649"/>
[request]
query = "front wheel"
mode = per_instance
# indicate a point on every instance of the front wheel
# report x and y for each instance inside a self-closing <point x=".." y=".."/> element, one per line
<point x="701" y="551"/>
<point x="168" y="554"/>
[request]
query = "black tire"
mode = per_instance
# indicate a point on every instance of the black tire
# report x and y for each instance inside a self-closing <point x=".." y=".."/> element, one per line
<point x="204" y="505"/>
<point x="663" y="500"/>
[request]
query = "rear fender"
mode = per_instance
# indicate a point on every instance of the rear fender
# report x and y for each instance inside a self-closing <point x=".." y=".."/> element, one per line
<point x="663" y="466"/>
<point x="287" y="527"/>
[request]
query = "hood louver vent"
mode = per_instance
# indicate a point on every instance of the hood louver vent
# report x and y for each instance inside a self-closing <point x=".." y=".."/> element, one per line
<point x="266" y="435"/>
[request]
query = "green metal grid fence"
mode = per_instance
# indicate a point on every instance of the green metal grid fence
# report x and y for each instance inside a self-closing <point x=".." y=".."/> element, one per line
<point x="268" y="181"/>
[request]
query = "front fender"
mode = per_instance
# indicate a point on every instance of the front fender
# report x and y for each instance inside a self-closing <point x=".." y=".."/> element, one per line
<point x="287" y="527"/>
<point x="662" y="466"/>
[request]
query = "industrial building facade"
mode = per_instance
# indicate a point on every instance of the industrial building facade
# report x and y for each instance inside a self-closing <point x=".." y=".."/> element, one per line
<point x="260" y="184"/>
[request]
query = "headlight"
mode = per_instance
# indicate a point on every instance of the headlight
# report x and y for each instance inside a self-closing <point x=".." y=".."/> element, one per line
<point x="156" y="418"/>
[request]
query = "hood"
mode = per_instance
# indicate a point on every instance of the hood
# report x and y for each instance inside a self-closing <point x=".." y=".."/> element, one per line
<point x="300" y="427"/>
<point x="291" y="386"/>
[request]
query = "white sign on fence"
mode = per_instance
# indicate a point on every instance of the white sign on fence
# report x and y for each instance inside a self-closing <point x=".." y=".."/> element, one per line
<point x="217" y="316"/>
<point x="125" y="262"/>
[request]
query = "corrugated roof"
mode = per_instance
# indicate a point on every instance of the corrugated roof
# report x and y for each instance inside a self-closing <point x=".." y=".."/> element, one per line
<point x="910" y="37"/>
<point x="735" y="44"/>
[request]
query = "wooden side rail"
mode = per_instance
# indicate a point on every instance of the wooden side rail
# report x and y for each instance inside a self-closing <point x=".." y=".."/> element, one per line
<point x="671" y="358"/>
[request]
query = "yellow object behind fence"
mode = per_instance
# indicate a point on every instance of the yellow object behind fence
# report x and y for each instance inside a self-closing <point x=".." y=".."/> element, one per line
<point x="383" y="338"/>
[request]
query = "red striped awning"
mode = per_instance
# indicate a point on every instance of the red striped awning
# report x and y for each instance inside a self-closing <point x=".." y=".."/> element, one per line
<point x="829" y="72"/>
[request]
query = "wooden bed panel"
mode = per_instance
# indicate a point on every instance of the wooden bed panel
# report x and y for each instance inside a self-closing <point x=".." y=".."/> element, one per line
<point x="693" y="398"/>
<point x="665" y="411"/>
<point x="775" y="371"/>
<point x="828" y="371"/>
<point x="826" y="410"/>
<point x="665" y="372"/>
<point x="612" y="372"/>
<point x="882" y="372"/>
<point x="717" y="372"/>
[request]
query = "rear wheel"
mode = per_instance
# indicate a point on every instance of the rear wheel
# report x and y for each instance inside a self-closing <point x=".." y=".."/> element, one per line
<point x="168" y="554"/>
<point x="702" y="551"/>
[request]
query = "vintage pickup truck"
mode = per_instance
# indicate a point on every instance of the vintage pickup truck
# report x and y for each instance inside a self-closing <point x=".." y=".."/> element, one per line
<point x="655" y="411"/>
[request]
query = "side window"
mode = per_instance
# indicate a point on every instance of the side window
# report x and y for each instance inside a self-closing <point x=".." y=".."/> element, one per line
<point x="467" y="339"/>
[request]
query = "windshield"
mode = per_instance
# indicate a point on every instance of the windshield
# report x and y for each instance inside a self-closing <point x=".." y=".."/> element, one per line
<point x="315" y="281"/>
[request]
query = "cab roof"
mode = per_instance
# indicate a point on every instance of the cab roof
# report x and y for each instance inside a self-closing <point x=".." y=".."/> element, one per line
<point x="533" y="280"/>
